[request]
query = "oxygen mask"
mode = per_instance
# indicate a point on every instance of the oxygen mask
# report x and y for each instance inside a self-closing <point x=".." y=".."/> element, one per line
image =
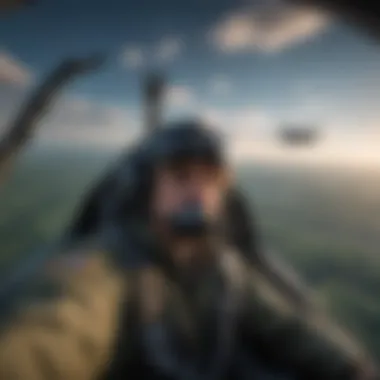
<point x="191" y="221"/>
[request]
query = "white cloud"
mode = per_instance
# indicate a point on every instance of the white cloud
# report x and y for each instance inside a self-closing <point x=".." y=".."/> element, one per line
<point x="251" y="134"/>
<point x="168" y="49"/>
<point x="79" y="119"/>
<point x="71" y="118"/>
<point x="245" y="129"/>
<point x="213" y="116"/>
<point x="133" y="57"/>
<point x="251" y="122"/>
<point x="12" y="71"/>
<point x="179" y="96"/>
<point x="268" y="27"/>
<point x="244" y="121"/>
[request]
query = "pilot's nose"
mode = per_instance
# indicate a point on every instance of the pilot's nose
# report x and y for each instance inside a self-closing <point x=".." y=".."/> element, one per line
<point x="196" y="204"/>
<point x="194" y="194"/>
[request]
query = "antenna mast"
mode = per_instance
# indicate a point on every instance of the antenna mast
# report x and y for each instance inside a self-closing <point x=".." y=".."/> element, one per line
<point x="154" y="92"/>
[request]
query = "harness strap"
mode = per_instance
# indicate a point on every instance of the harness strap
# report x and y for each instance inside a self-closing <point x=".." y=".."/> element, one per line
<point x="230" y="309"/>
<point x="158" y="347"/>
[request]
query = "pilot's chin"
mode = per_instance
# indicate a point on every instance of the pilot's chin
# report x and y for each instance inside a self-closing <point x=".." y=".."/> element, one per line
<point x="192" y="249"/>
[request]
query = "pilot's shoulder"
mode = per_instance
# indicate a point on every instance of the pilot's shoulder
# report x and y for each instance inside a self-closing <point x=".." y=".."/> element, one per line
<point x="82" y="263"/>
<point x="67" y="323"/>
<point x="59" y="276"/>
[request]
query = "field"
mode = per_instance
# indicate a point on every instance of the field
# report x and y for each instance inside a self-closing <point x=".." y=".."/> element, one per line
<point x="325" y="221"/>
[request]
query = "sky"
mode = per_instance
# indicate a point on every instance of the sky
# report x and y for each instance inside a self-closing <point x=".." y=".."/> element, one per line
<point x="246" y="66"/>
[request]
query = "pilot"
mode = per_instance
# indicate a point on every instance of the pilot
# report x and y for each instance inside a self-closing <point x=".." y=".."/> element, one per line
<point x="121" y="195"/>
<point x="191" y="308"/>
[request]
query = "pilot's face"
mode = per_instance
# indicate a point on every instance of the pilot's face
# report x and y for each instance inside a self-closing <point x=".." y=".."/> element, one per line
<point x="189" y="182"/>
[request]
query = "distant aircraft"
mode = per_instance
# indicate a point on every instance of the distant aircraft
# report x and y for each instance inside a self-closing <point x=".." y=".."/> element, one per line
<point x="299" y="135"/>
<point x="9" y="5"/>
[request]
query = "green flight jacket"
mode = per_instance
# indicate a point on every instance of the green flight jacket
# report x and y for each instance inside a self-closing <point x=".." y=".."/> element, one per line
<point x="70" y="332"/>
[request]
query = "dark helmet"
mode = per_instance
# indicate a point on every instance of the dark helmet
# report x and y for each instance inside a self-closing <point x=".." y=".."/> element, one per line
<point x="185" y="140"/>
<point x="178" y="142"/>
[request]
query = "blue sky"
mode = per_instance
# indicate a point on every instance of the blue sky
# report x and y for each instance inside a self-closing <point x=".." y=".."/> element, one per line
<point x="242" y="63"/>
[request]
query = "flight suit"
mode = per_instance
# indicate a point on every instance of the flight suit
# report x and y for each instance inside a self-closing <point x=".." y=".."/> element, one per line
<point x="102" y="320"/>
<point x="119" y="197"/>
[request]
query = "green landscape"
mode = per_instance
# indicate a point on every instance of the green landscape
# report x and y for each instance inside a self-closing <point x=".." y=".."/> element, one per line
<point x="323" y="220"/>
